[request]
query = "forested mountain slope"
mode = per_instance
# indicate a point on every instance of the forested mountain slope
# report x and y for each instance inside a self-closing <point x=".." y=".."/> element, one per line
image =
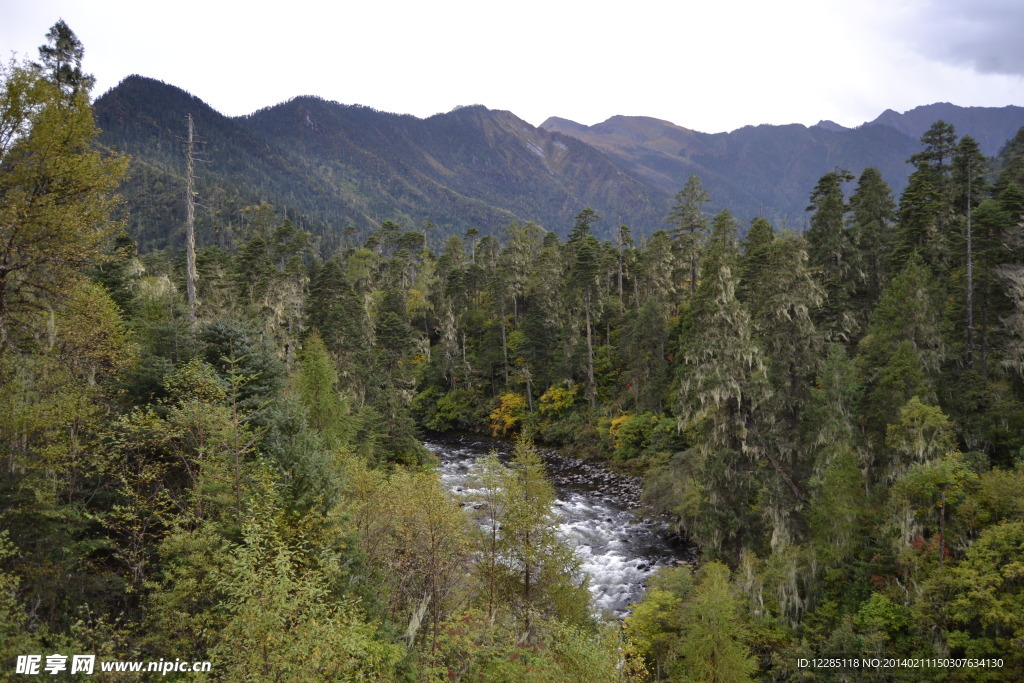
<point x="330" y="166"/>
<point x="764" y="170"/>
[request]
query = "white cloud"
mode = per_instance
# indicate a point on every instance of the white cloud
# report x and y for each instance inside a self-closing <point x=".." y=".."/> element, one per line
<point x="984" y="35"/>
<point x="708" y="66"/>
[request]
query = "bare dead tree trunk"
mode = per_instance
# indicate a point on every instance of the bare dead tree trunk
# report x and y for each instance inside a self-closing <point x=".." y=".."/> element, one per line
<point x="190" y="227"/>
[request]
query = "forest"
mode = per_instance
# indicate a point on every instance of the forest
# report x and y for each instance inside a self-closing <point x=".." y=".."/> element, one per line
<point x="218" y="456"/>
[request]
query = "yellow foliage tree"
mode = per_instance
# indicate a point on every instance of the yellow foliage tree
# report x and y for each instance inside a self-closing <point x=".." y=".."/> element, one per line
<point x="508" y="416"/>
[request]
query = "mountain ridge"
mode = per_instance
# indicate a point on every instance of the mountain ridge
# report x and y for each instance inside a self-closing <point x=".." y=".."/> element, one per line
<point x="332" y="166"/>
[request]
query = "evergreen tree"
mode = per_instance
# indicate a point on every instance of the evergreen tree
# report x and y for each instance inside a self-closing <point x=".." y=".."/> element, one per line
<point x="755" y="253"/>
<point x="62" y="61"/>
<point x="837" y="483"/>
<point x="926" y="209"/>
<point x="338" y="312"/>
<point x="873" y="212"/>
<point x="582" y="254"/>
<point x="722" y="384"/>
<point x="967" y="188"/>
<point x="655" y="273"/>
<point x="690" y="226"/>
<point x="1009" y="164"/>
<point x="712" y="647"/>
<point x="903" y="350"/>
<point x="644" y="348"/>
<point x="782" y="300"/>
<point x="830" y="248"/>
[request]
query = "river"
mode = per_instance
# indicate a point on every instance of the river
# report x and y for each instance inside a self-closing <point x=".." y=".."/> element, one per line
<point x="618" y="550"/>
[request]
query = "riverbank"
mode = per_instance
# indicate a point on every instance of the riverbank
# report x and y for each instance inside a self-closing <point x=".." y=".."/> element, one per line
<point x="564" y="470"/>
<point x="621" y="492"/>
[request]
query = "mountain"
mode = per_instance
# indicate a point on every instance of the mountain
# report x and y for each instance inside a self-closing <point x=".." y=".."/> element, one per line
<point x="328" y="166"/>
<point x="990" y="126"/>
<point x="472" y="167"/>
<point x="770" y="170"/>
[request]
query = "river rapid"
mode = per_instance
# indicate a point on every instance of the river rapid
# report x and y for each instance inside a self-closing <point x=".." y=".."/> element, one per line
<point x="618" y="550"/>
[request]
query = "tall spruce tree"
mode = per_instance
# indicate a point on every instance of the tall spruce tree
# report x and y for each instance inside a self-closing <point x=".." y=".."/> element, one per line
<point x="873" y="212"/>
<point x="831" y="253"/>
<point x="902" y="352"/>
<point x="722" y="384"/>
<point x="926" y="209"/>
<point x="967" y="190"/>
<point x="584" y="271"/>
<point x="690" y="226"/>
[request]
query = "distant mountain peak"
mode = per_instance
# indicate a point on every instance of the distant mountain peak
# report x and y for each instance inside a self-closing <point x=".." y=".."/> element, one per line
<point x="990" y="126"/>
<point x="826" y="124"/>
<point x="557" y="124"/>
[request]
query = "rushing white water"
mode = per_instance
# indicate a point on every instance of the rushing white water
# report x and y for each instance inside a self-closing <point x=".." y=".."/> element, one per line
<point x="617" y="550"/>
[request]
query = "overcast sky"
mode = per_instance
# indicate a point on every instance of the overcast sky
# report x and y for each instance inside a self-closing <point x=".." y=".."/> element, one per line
<point x="711" y="66"/>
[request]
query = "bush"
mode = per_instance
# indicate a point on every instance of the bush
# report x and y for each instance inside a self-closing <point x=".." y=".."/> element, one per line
<point x="507" y="418"/>
<point x="642" y="437"/>
<point x="441" y="412"/>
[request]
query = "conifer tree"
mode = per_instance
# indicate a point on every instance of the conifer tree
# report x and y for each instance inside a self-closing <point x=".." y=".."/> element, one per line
<point x="326" y="410"/>
<point x="690" y="225"/>
<point x="755" y="253"/>
<point x="782" y="300"/>
<point x="539" y="572"/>
<point x="643" y="347"/>
<point x="584" y="271"/>
<point x="655" y="273"/>
<point x="56" y="194"/>
<point x="338" y="312"/>
<point x="722" y="384"/>
<point x="903" y="350"/>
<point x="831" y="253"/>
<point x="62" y="60"/>
<point x="873" y="212"/>
<point x="713" y="647"/>
<point x="926" y="209"/>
